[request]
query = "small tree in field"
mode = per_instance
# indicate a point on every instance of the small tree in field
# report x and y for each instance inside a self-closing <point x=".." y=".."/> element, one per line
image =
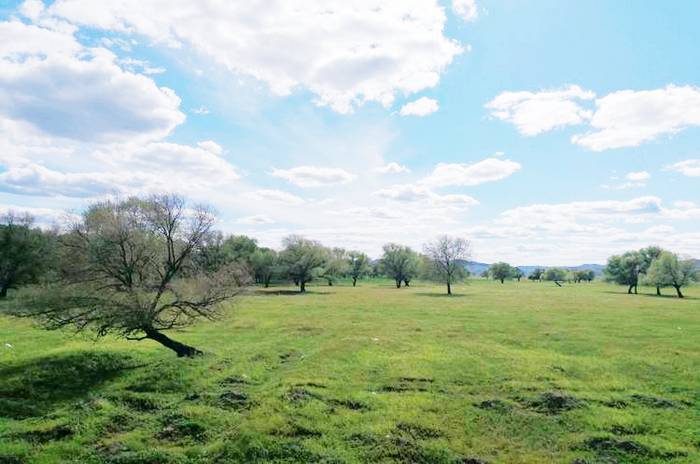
<point x="303" y="259"/>
<point x="336" y="265"/>
<point x="648" y="255"/>
<point x="400" y="263"/>
<point x="25" y="252"/>
<point x="265" y="264"/>
<point x="127" y="269"/>
<point x="358" y="265"/>
<point x="668" y="270"/>
<point x="446" y="257"/>
<point x="518" y="273"/>
<point x="555" y="274"/>
<point x="501" y="271"/>
<point x="625" y="269"/>
<point x="536" y="274"/>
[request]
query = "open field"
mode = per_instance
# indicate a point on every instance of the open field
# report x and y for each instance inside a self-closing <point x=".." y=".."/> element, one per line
<point x="522" y="372"/>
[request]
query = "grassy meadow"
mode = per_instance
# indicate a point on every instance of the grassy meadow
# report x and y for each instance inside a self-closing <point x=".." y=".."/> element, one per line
<point x="515" y="373"/>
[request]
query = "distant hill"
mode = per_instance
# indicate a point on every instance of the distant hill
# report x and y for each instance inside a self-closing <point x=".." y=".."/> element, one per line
<point x="476" y="268"/>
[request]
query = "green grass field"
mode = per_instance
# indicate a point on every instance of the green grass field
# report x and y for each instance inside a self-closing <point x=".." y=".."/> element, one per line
<point x="522" y="373"/>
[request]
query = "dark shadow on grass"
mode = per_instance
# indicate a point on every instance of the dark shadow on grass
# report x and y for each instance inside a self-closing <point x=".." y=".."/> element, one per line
<point x="441" y="295"/>
<point x="264" y="292"/>
<point x="35" y="387"/>
<point x="663" y="296"/>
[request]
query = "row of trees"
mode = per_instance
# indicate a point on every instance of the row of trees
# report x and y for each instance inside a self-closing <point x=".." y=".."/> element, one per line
<point x="651" y="266"/>
<point x="501" y="271"/>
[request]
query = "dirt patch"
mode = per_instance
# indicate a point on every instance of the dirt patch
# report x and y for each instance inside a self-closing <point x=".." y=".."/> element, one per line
<point x="234" y="399"/>
<point x="59" y="432"/>
<point x="554" y="403"/>
<point x="349" y="404"/>
<point x="613" y="447"/>
<point x="418" y="432"/>
<point x="494" y="405"/>
<point x="408" y="384"/>
<point x="654" y="402"/>
<point x="177" y="428"/>
<point x="302" y="395"/>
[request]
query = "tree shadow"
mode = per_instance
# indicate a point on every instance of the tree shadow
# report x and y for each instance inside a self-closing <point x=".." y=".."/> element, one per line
<point x="441" y="295"/>
<point x="265" y="292"/>
<point x="35" y="387"/>
<point x="667" y="296"/>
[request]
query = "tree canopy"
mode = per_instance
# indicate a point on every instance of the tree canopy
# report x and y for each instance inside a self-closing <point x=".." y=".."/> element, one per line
<point x="303" y="259"/>
<point x="446" y="257"/>
<point x="400" y="263"/>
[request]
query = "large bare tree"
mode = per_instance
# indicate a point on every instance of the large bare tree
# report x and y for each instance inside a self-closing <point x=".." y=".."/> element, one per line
<point x="127" y="270"/>
<point x="447" y="257"/>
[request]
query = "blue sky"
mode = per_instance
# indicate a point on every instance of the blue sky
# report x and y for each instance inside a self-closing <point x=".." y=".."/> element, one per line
<point x="546" y="132"/>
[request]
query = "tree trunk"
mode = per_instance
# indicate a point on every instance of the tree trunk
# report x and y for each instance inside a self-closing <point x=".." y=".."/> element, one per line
<point x="354" y="281"/>
<point x="502" y="280"/>
<point x="658" y="291"/>
<point x="182" y="350"/>
<point x="398" y="284"/>
<point x="678" y="290"/>
<point x="3" y="291"/>
<point x="330" y="283"/>
<point x="406" y="282"/>
<point x="449" y="289"/>
<point x="302" y="287"/>
<point x="629" y="290"/>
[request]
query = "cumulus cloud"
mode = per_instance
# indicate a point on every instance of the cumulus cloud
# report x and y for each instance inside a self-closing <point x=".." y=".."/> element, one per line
<point x="314" y="176"/>
<point x="628" y="118"/>
<point x="421" y="107"/>
<point x="465" y="9"/>
<point x="417" y="193"/>
<point x="345" y="53"/>
<point x="690" y="167"/>
<point x="468" y="175"/>
<point x="535" y="112"/>
<point x="256" y="220"/>
<point x="52" y="82"/>
<point x="393" y="168"/>
<point x="634" y="179"/>
<point x="625" y="118"/>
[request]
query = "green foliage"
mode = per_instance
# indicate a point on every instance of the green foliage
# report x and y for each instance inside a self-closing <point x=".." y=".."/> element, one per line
<point x="625" y="269"/>
<point x="302" y="259"/>
<point x="266" y="265"/>
<point x="400" y="263"/>
<point x="668" y="270"/>
<point x="358" y="265"/>
<point x="26" y="253"/>
<point x="536" y="274"/>
<point x="582" y="276"/>
<point x="501" y="271"/>
<point x="336" y="265"/>
<point x="554" y="274"/>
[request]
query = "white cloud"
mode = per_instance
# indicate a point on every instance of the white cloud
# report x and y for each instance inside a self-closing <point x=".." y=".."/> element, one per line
<point x="536" y="112"/>
<point x="467" y="175"/>
<point x="314" y="176"/>
<point x="345" y="53"/>
<point x="465" y="9"/>
<point x="393" y="168"/>
<point x="628" y="118"/>
<point x="202" y="110"/>
<point x="690" y="167"/>
<point x="416" y="193"/>
<point x="421" y="107"/>
<point x="50" y="81"/>
<point x="276" y="196"/>
<point x="258" y="219"/>
<point x="638" y="176"/>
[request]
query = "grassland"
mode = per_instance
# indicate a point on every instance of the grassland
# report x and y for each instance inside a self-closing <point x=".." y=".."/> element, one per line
<point x="521" y="372"/>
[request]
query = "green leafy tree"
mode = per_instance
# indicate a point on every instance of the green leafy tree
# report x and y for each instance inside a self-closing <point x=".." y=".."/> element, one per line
<point x="336" y="265"/>
<point x="358" y="265"/>
<point x="127" y="269"/>
<point x="501" y="271"/>
<point x="303" y="260"/>
<point x="536" y="274"/>
<point x="648" y="255"/>
<point x="518" y="273"/>
<point x="554" y="274"/>
<point x="669" y="270"/>
<point x="400" y="263"/>
<point x="625" y="269"/>
<point x="26" y="253"/>
<point x="446" y="257"/>
<point x="265" y="264"/>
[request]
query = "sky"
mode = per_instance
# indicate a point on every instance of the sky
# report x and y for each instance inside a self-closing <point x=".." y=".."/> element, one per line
<point x="545" y="132"/>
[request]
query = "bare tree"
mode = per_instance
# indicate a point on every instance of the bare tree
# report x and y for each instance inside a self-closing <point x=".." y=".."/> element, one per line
<point x="127" y="270"/>
<point x="447" y="256"/>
